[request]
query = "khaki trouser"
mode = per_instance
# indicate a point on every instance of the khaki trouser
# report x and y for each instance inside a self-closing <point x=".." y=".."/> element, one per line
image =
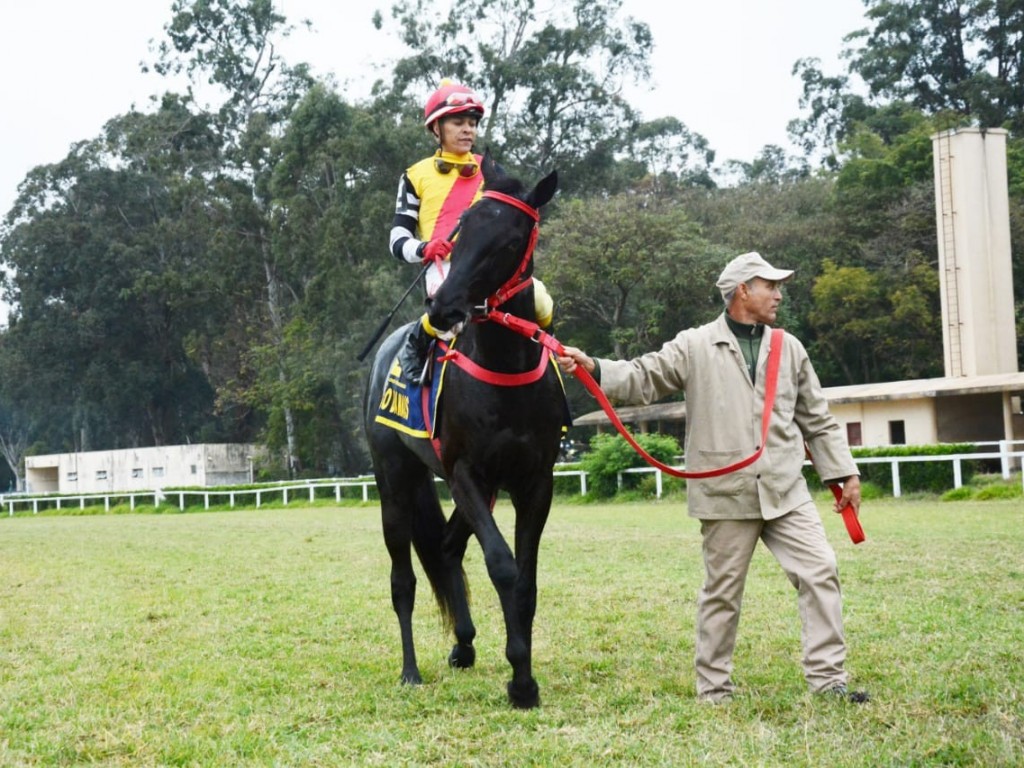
<point x="797" y="540"/>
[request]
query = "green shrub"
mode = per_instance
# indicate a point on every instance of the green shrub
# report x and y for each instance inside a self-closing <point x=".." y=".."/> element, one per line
<point x="983" y="487"/>
<point x="869" y="491"/>
<point x="962" y="493"/>
<point x="999" y="492"/>
<point x="609" y="455"/>
<point x="570" y="485"/>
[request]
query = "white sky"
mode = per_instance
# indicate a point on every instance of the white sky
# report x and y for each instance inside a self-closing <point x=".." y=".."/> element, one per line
<point x="723" y="67"/>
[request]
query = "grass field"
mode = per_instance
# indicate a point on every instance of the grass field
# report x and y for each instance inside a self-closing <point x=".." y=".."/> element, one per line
<point x="266" y="638"/>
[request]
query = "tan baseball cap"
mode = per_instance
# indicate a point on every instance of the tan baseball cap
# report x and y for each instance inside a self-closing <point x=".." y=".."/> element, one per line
<point x="746" y="267"/>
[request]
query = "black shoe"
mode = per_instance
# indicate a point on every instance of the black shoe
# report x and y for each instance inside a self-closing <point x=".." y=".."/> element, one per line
<point x="840" y="691"/>
<point x="413" y="356"/>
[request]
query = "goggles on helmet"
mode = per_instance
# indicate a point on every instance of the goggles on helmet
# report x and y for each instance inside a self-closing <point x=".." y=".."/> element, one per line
<point x="452" y="99"/>
<point x="461" y="100"/>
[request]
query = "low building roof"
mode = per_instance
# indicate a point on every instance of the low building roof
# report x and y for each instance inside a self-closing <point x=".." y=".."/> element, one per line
<point x="633" y="414"/>
<point x="889" y="390"/>
<point x="919" y="388"/>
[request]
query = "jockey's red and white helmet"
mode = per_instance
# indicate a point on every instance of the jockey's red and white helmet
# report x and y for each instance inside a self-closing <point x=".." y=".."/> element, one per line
<point x="451" y="99"/>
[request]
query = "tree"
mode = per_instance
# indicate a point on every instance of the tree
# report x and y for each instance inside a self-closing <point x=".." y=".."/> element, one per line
<point x="553" y="85"/>
<point x="627" y="273"/>
<point x="793" y="224"/>
<point x="962" y="62"/>
<point x="333" y="192"/>
<point x="107" y="254"/>
<point x="870" y="328"/>
<point x="917" y="51"/>
<point x="771" y="166"/>
<point x="14" y="436"/>
<point x="833" y="111"/>
<point x="878" y="172"/>
<point x="964" y="57"/>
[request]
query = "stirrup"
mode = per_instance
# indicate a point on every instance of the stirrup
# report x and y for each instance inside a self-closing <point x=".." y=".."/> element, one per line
<point x="414" y="358"/>
<point x="427" y="371"/>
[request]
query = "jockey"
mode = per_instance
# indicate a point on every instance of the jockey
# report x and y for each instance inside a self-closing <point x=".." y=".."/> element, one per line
<point x="432" y="194"/>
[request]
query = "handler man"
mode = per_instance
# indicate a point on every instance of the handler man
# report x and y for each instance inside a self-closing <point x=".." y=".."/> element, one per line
<point x="721" y="369"/>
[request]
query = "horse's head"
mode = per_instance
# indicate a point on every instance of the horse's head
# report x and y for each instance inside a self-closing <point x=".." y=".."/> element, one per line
<point x="493" y="246"/>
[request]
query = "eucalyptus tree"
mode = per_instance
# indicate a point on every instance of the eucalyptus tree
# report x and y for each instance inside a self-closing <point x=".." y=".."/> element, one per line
<point x="333" y="191"/>
<point x="964" y="57"/>
<point x="231" y="45"/>
<point x="107" y="254"/>
<point x="15" y="417"/>
<point x="960" y="60"/>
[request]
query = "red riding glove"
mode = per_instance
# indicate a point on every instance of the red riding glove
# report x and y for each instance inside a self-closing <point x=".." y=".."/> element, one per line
<point x="436" y="250"/>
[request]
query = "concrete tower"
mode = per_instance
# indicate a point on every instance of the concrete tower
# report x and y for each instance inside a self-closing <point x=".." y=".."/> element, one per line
<point x="975" y="271"/>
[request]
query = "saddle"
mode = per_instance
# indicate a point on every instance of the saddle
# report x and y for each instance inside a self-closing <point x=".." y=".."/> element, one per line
<point x="412" y="409"/>
<point x="408" y="407"/>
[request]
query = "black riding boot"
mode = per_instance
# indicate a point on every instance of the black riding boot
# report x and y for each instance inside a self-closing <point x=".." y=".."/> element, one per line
<point x="412" y="357"/>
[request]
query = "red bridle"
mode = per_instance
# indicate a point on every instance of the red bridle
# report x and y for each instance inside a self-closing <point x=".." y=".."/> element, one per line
<point x="514" y="284"/>
<point x="510" y="288"/>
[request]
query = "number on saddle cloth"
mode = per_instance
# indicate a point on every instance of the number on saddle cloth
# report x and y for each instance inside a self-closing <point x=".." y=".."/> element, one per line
<point x="405" y="406"/>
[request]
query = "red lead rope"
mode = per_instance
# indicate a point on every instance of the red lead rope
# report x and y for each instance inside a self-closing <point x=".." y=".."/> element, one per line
<point x="774" y="355"/>
<point x="534" y="331"/>
<point x="853" y="526"/>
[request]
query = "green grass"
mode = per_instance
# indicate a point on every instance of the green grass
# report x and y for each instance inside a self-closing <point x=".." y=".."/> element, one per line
<point x="266" y="638"/>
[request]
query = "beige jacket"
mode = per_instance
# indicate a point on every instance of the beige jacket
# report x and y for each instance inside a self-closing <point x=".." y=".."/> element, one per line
<point x="723" y="410"/>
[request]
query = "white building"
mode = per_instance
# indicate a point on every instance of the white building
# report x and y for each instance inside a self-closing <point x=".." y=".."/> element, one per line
<point x="141" y="469"/>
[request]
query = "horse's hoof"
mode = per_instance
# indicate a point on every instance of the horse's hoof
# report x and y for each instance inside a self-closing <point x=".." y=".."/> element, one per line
<point x="524" y="697"/>
<point x="412" y="678"/>
<point x="462" y="657"/>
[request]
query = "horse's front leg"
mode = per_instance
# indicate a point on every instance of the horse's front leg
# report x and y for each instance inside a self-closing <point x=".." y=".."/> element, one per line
<point x="532" y="508"/>
<point x="473" y="500"/>
<point x="456" y="537"/>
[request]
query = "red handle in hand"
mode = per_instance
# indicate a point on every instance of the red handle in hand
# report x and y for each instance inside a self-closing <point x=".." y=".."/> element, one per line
<point x="853" y="526"/>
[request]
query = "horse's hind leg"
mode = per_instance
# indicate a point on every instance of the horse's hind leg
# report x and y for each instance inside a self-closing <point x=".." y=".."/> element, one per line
<point x="456" y="537"/>
<point x="397" y="515"/>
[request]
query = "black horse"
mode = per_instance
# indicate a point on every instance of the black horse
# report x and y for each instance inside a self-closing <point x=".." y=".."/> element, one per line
<point x="499" y="427"/>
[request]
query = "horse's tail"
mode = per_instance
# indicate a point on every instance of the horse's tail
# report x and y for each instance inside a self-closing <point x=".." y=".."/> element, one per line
<point x="428" y="531"/>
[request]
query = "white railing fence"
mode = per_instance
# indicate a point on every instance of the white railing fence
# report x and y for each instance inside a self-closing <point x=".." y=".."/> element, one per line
<point x="308" y="490"/>
<point x="211" y="497"/>
<point x="1007" y="459"/>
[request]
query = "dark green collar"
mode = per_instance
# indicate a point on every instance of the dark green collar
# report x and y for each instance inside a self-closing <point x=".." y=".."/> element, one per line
<point x="749" y="339"/>
<point x="743" y="330"/>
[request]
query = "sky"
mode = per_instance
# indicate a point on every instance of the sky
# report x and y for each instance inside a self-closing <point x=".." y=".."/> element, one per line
<point x="723" y="67"/>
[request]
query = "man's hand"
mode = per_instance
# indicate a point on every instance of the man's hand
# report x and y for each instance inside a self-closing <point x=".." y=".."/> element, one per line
<point x="572" y="357"/>
<point x="851" y="494"/>
<point x="437" y="249"/>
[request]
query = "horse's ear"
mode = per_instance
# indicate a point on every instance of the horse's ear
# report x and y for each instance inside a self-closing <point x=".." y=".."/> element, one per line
<point x="541" y="194"/>
<point x="488" y="166"/>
